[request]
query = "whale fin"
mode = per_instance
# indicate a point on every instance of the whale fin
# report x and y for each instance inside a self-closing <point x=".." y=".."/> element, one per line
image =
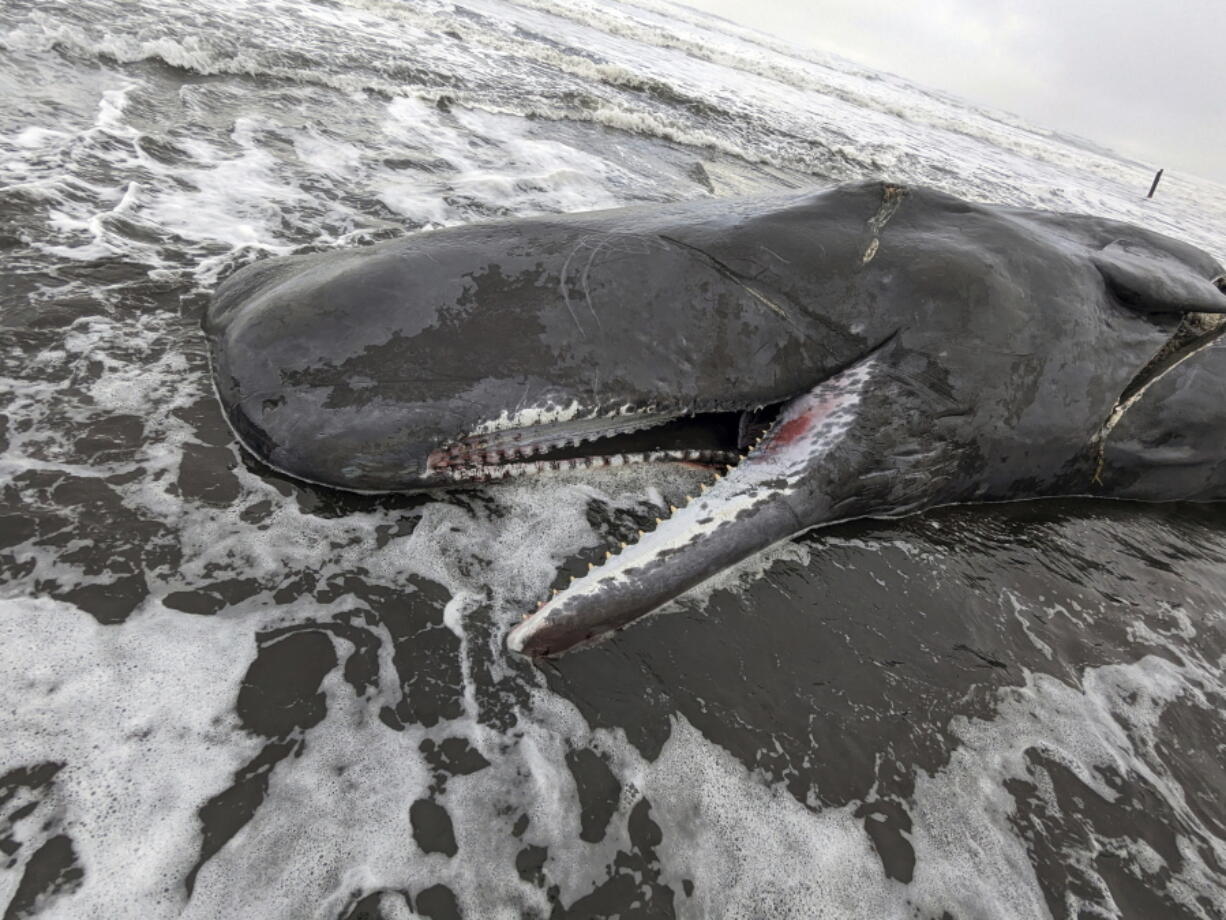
<point x="1150" y="281"/>
<point x="820" y="447"/>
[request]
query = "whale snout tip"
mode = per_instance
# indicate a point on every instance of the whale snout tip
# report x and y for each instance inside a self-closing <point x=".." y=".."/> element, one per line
<point x="525" y="639"/>
<point x="517" y="640"/>
<point x="545" y="634"/>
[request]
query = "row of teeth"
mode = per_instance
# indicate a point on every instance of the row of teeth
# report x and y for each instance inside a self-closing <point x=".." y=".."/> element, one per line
<point x="485" y="443"/>
<point x="497" y="465"/>
<point x="468" y="454"/>
<point x="462" y="451"/>
<point x="672" y="509"/>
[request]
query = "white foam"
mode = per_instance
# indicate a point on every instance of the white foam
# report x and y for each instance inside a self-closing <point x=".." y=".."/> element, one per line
<point x="142" y="717"/>
<point x="969" y="850"/>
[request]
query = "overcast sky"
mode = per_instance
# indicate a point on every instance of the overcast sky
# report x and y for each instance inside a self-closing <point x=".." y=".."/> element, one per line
<point x="1147" y="79"/>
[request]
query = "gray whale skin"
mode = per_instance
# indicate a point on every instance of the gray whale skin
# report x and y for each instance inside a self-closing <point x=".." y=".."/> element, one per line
<point x="866" y="350"/>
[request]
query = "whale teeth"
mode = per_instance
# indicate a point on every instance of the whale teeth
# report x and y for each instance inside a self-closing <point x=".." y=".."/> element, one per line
<point x="672" y="507"/>
<point x="659" y="521"/>
<point x="641" y="534"/>
<point x="590" y="566"/>
<point x="608" y="554"/>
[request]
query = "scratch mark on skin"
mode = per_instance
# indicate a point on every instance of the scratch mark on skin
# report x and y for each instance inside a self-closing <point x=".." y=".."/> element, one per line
<point x="732" y="276"/>
<point x="583" y="279"/>
<point x="563" y="288"/>
<point x="891" y="198"/>
<point x="605" y="241"/>
<point x="523" y="397"/>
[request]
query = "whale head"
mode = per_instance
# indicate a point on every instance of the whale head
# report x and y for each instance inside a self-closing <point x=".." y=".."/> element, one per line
<point x="864" y="350"/>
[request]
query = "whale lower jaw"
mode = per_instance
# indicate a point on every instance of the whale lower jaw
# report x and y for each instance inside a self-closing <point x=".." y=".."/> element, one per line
<point x="765" y="498"/>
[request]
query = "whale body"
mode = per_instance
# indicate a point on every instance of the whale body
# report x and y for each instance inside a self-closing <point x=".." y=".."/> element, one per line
<point x="869" y="350"/>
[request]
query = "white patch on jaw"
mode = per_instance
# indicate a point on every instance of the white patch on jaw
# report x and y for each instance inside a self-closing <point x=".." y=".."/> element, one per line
<point x="548" y="414"/>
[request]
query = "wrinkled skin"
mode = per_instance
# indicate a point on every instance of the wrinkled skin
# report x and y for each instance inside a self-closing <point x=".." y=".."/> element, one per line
<point x="914" y="350"/>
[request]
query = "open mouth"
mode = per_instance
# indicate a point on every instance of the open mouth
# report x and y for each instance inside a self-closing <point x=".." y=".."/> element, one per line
<point x="762" y="499"/>
<point x="720" y="442"/>
<point x="712" y="440"/>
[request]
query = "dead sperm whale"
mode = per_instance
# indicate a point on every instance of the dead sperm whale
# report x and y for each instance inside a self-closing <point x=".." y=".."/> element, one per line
<point x="868" y="350"/>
